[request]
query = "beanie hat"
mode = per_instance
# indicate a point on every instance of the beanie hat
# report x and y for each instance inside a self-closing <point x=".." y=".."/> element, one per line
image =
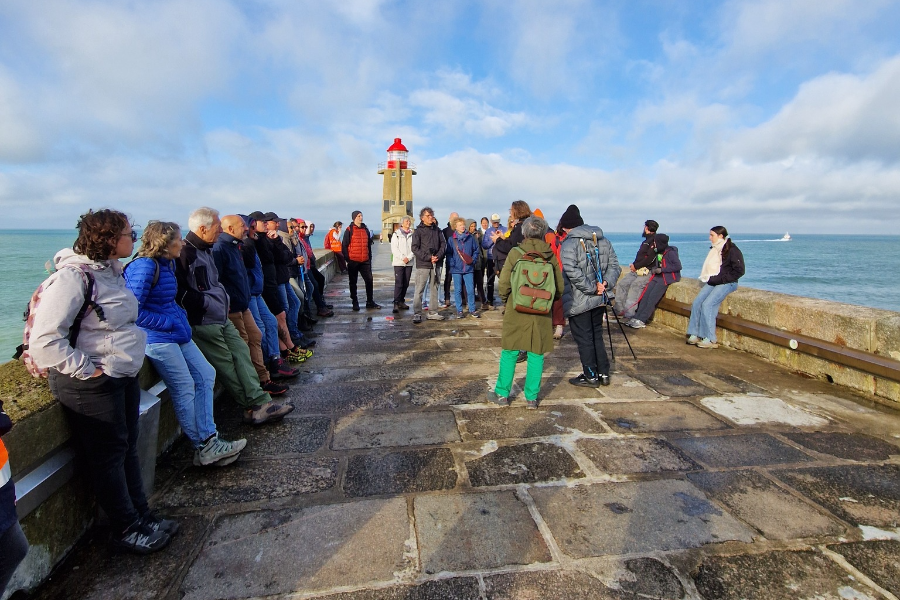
<point x="571" y="218"/>
<point x="538" y="213"/>
<point x="354" y="213"/>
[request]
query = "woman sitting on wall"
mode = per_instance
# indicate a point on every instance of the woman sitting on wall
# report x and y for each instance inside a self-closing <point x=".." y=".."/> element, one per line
<point x="723" y="266"/>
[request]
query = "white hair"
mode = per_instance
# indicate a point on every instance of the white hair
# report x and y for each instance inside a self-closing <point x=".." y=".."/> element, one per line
<point x="202" y="217"/>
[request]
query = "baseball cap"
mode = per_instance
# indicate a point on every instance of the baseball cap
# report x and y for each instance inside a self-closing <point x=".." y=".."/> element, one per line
<point x="495" y="217"/>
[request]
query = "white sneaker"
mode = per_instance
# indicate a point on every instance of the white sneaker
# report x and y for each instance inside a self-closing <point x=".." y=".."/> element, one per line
<point x="705" y="343"/>
<point x="558" y="332"/>
<point x="636" y="324"/>
<point x="217" y="449"/>
<point x="693" y="340"/>
<point x="433" y="316"/>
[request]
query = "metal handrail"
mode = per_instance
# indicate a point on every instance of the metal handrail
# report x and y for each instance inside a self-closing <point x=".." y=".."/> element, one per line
<point x="410" y="166"/>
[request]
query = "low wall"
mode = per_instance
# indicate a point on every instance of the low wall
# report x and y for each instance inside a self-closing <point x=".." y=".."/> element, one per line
<point x="871" y="331"/>
<point x="55" y="507"/>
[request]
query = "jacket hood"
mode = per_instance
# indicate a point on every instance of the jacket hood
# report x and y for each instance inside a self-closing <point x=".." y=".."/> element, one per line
<point x="539" y="246"/>
<point x="67" y="256"/>
<point x="586" y="232"/>
<point x="662" y="242"/>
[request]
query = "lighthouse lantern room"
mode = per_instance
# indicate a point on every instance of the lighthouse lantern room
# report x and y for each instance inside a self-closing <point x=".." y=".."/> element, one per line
<point x="397" y="188"/>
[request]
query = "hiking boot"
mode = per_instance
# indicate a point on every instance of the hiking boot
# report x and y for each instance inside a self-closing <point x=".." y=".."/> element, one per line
<point x="140" y="539"/>
<point x="417" y="318"/>
<point x="635" y="324"/>
<point x="372" y="305"/>
<point x="297" y="355"/>
<point x="325" y="312"/>
<point x="530" y="404"/>
<point x="475" y="315"/>
<point x="274" y="389"/>
<point x="558" y="332"/>
<point x="496" y="398"/>
<point x="693" y="340"/>
<point x="403" y="306"/>
<point x="267" y="413"/>
<point x="155" y="523"/>
<point x="433" y="316"/>
<point x="279" y="370"/>
<point x="216" y="449"/>
<point x="522" y="357"/>
<point x="585" y="381"/>
<point x="459" y="315"/>
<point x="221" y="463"/>
<point x="604" y="379"/>
<point x="707" y="343"/>
<point x="301" y="352"/>
<point x="396" y="308"/>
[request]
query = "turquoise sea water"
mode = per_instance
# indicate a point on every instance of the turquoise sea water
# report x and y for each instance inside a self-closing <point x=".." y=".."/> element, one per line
<point x="856" y="269"/>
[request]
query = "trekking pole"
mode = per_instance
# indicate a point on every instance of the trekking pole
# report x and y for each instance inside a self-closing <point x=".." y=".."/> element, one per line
<point x="599" y="273"/>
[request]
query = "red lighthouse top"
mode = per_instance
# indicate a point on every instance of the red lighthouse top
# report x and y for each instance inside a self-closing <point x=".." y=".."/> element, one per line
<point x="397" y="154"/>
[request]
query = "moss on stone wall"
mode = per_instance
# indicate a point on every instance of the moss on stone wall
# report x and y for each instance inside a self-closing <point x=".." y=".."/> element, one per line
<point x="21" y="393"/>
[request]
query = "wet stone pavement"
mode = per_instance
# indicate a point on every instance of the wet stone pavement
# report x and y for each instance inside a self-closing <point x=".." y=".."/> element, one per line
<point x="696" y="474"/>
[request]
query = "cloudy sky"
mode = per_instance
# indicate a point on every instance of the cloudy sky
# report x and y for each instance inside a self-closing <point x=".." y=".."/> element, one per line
<point x="764" y="116"/>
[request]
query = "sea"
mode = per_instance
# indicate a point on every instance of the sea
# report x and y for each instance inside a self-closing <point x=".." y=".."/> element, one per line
<point x="854" y="269"/>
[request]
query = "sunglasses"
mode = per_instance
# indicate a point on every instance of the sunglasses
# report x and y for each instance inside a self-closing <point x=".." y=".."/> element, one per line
<point x="133" y="234"/>
<point x="303" y="227"/>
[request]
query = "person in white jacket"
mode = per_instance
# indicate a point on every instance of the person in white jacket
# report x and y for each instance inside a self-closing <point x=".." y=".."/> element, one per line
<point x="402" y="259"/>
<point x="93" y="371"/>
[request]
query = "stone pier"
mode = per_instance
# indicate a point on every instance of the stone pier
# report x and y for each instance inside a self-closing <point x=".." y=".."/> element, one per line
<point x="702" y="474"/>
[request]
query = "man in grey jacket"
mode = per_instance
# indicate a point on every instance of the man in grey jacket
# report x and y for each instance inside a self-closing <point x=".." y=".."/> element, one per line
<point x="206" y="302"/>
<point x="590" y="270"/>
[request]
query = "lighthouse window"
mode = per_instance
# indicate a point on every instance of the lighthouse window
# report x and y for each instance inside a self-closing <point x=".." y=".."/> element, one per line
<point x="401" y="173"/>
<point x="393" y="173"/>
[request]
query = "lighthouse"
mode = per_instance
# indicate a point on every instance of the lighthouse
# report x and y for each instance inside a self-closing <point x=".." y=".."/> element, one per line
<point x="397" y="188"/>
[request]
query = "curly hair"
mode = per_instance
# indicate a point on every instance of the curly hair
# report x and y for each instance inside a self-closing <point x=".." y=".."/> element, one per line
<point x="99" y="233"/>
<point x="520" y="210"/>
<point x="157" y="237"/>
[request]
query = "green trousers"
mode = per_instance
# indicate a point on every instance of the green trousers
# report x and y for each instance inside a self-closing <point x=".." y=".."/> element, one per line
<point x="535" y="368"/>
<point x="230" y="357"/>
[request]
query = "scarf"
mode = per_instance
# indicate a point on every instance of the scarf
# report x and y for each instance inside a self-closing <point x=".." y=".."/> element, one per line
<point x="713" y="263"/>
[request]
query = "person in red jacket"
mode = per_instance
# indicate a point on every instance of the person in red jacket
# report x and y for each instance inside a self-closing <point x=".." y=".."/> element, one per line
<point x="356" y="247"/>
<point x="333" y="243"/>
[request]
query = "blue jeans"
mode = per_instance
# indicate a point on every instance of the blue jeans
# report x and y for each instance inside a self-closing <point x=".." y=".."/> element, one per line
<point x="292" y="302"/>
<point x="458" y="280"/>
<point x="267" y="324"/>
<point x="190" y="379"/>
<point x="705" y="309"/>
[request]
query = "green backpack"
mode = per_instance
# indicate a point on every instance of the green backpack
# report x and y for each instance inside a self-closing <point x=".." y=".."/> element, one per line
<point x="533" y="284"/>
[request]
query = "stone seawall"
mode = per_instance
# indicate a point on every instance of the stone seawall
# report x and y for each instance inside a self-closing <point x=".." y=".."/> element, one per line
<point x="867" y="330"/>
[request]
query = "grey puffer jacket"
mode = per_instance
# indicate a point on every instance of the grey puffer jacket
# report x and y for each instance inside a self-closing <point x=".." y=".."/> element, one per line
<point x="580" y="293"/>
<point x="115" y="345"/>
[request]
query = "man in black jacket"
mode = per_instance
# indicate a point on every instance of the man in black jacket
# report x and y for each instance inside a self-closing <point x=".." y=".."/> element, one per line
<point x="632" y="284"/>
<point x="429" y="247"/>
<point x="448" y="233"/>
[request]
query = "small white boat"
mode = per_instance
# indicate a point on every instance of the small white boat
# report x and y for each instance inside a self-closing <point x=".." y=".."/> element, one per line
<point x="785" y="238"/>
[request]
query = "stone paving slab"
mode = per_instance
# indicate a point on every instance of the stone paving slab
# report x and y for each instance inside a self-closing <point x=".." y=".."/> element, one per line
<point x="648" y="417"/>
<point x="556" y="387"/>
<point x="523" y="463"/>
<point x="725" y="383"/>
<point x="645" y="364"/>
<point x="675" y="385"/>
<point x="878" y="559"/>
<point x="373" y="374"/>
<point x="315" y="548"/>
<point x="757" y="410"/>
<point x="476" y="531"/>
<point x="746" y="450"/>
<point x="458" y="588"/>
<point x="778" y="576"/>
<point x="343" y="397"/>
<point x="442" y="391"/>
<point x="633" y="517"/>
<point x="405" y="429"/>
<point x="241" y="481"/>
<point x="859" y="494"/>
<point x="97" y="573"/>
<point x="301" y="435"/>
<point x="400" y="472"/>
<point x="770" y="509"/>
<point x="519" y="422"/>
<point x="623" y="387"/>
<point x="850" y="446"/>
<point x="636" y="455"/>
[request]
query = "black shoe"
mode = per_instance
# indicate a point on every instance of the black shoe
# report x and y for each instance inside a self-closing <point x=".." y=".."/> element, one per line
<point x="280" y="370"/>
<point x="522" y="357"/>
<point x="156" y="523"/>
<point x="585" y="381"/>
<point x="325" y="312"/>
<point x="604" y="379"/>
<point x="141" y="539"/>
<point x="372" y="305"/>
<point x="403" y="306"/>
<point x="308" y="344"/>
<point x="274" y="389"/>
<point x="355" y="306"/>
<point x="396" y="308"/>
<point x="417" y="318"/>
<point x="329" y="306"/>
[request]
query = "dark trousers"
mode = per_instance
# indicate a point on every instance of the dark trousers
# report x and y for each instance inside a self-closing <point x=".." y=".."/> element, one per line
<point x="13" y="548"/>
<point x="319" y="288"/>
<point x="587" y="330"/>
<point x="341" y="263"/>
<point x="448" y="279"/>
<point x="653" y="293"/>
<point x="401" y="282"/>
<point x="360" y="268"/>
<point x="489" y="273"/>
<point x="103" y="415"/>
<point x="479" y="286"/>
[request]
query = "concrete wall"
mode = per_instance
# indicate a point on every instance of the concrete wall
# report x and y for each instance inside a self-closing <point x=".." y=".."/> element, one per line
<point x="866" y="329"/>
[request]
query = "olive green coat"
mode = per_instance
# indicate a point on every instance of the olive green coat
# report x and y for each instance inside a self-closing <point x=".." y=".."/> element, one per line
<point x="521" y="331"/>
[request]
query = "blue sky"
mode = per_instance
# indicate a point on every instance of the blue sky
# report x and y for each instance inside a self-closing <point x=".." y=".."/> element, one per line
<point x="763" y="116"/>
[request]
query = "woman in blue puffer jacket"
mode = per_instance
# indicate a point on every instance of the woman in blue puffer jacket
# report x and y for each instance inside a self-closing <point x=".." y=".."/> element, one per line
<point x="463" y="246"/>
<point x="188" y="375"/>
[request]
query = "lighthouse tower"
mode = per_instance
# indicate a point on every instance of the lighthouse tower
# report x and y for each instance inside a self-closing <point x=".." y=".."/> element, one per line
<point x="397" y="189"/>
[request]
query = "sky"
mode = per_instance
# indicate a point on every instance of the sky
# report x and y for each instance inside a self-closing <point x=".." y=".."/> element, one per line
<point x="763" y="116"/>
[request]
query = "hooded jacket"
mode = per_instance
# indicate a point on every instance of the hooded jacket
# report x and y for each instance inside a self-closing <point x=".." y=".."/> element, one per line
<point x="479" y="256"/>
<point x="232" y="272"/>
<point x="199" y="290"/>
<point x="428" y="241"/>
<point x="401" y="247"/>
<point x="521" y="331"/>
<point x="646" y="255"/>
<point x="668" y="269"/>
<point x="115" y="345"/>
<point x="158" y="315"/>
<point x="461" y="242"/>
<point x="580" y="294"/>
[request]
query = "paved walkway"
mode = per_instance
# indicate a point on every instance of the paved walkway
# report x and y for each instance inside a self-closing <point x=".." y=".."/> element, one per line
<point x="696" y="474"/>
